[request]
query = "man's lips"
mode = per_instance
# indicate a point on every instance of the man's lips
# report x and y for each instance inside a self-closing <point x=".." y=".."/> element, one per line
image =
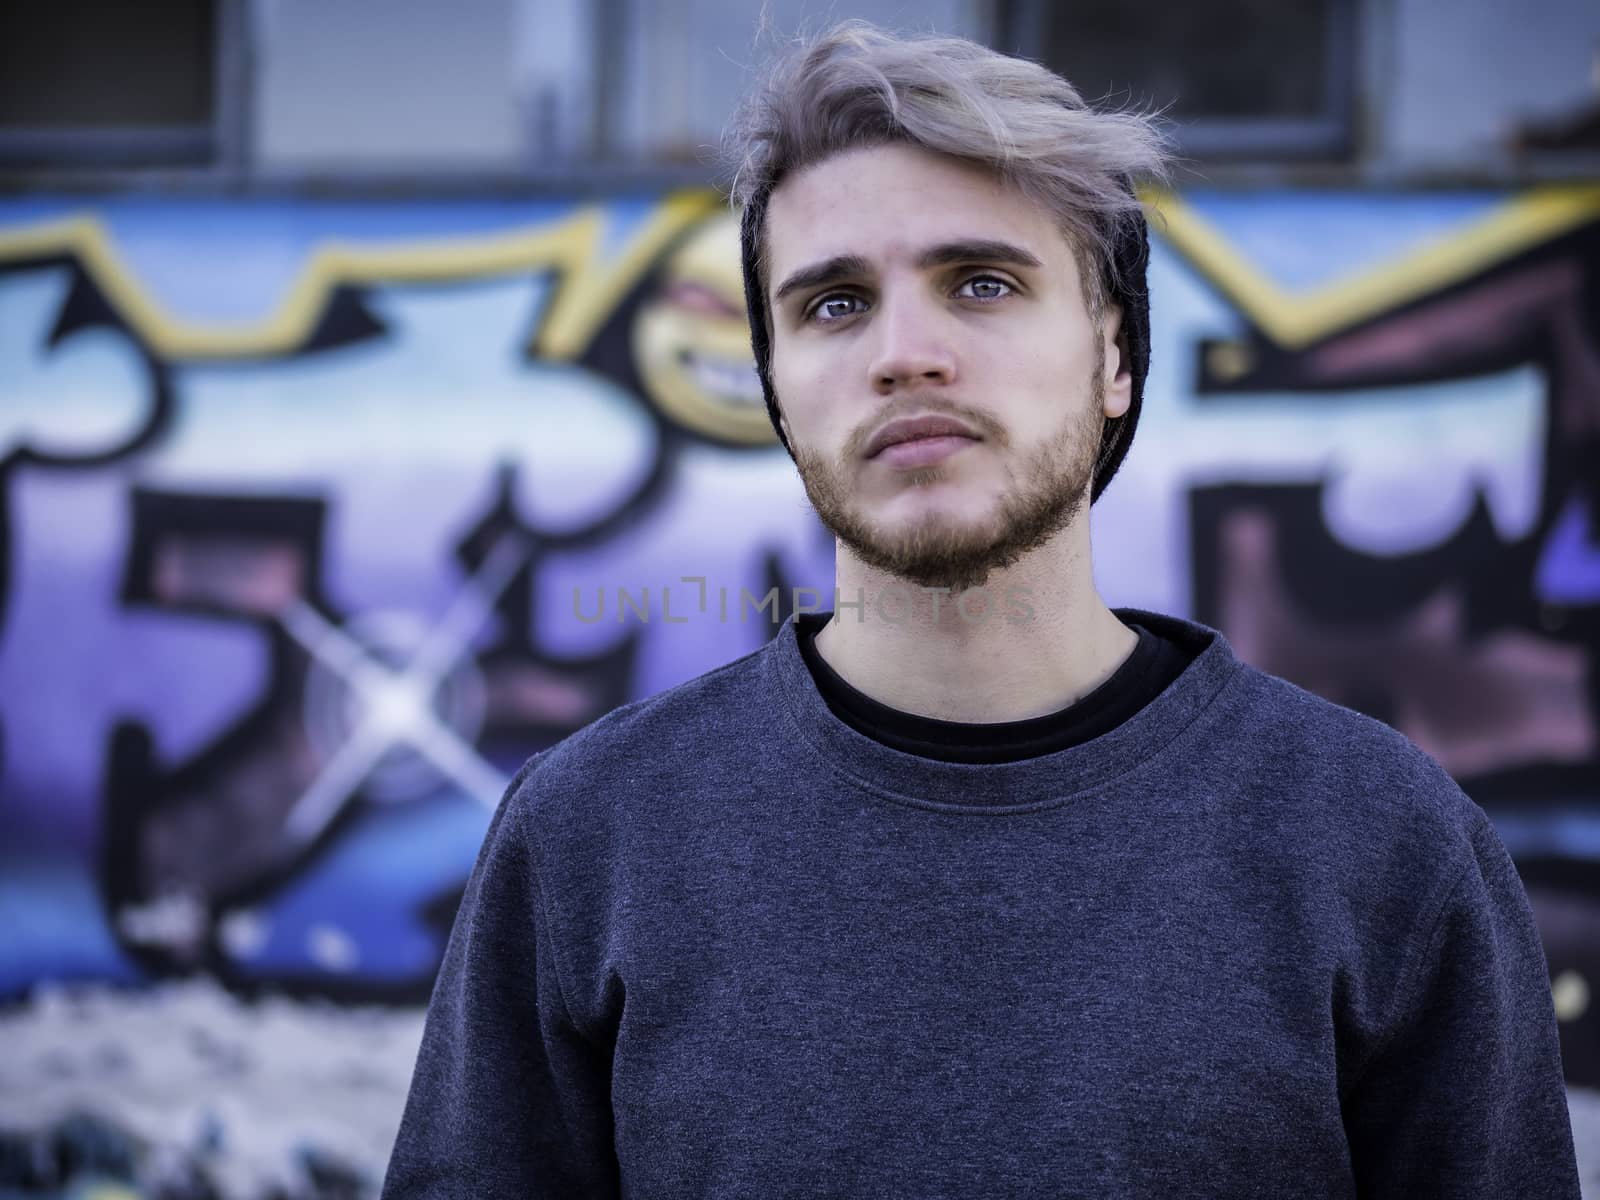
<point x="916" y="429"/>
<point x="921" y="452"/>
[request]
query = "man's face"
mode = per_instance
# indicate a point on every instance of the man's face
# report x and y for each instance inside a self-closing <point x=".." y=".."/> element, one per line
<point x="941" y="381"/>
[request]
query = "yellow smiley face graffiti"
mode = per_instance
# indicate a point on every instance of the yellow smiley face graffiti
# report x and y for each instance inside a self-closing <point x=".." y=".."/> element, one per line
<point x="691" y="341"/>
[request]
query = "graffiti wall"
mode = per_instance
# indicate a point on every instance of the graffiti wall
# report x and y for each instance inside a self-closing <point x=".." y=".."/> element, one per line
<point x="314" y="518"/>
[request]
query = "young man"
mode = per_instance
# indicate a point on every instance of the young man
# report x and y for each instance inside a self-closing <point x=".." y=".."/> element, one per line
<point x="978" y="888"/>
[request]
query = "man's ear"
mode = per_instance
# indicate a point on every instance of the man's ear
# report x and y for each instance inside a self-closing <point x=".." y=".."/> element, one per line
<point x="1118" y="378"/>
<point x="783" y="417"/>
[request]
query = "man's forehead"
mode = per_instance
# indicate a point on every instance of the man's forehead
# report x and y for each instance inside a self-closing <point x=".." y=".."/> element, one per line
<point x="892" y="205"/>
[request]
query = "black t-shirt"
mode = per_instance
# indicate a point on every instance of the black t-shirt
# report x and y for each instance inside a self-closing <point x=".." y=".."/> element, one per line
<point x="1154" y="663"/>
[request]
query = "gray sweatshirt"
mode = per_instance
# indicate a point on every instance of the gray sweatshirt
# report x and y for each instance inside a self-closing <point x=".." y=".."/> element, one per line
<point x="1248" y="943"/>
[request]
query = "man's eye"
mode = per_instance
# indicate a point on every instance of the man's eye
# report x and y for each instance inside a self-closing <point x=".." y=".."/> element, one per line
<point x="985" y="287"/>
<point x="836" y="307"/>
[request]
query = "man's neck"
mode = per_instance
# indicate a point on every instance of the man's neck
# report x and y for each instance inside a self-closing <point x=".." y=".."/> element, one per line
<point x="1034" y="639"/>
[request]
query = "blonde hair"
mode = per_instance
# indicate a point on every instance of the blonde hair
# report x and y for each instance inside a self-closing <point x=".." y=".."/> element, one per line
<point x="856" y="86"/>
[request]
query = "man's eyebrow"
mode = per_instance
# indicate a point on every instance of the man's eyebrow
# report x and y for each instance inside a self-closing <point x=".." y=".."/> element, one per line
<point x="847" y="266"/>
<point x="841" y="266"/>
<point x="977" y="250"/>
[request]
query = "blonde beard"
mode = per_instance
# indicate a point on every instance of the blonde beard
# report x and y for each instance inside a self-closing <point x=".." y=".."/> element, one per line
<point x="1050" y="487"/>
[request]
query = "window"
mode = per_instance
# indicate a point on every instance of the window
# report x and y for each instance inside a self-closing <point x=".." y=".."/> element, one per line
<point x="1240" y="78"/>
<point x="105" y="82"/>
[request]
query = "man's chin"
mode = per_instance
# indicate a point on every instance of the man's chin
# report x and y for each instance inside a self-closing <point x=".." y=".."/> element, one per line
<point x="932" y="556"/>
<point x="933" y="541"/>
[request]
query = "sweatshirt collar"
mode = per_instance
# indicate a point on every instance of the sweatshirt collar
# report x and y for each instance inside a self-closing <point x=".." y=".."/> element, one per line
<point x="1157" y="731"/>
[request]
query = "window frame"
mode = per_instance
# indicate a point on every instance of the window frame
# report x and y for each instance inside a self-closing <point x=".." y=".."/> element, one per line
<point x="1019" y="29"/>
<point x="221" y="142"/>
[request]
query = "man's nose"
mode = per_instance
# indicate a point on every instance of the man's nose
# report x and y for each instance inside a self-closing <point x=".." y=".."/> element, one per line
<point x="911" y="345"/>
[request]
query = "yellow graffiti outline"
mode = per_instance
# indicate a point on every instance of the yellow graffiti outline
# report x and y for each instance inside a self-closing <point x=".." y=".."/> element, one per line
<point x="589" y="286"/>
<point x="587" y="289"/>
<point x="1296" y="319"/>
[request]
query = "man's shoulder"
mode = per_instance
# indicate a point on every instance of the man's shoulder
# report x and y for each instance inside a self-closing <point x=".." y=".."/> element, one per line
<point x="1332" y="762"/>
<point x="1310" y="750"/>
<point x="651" y="743"/>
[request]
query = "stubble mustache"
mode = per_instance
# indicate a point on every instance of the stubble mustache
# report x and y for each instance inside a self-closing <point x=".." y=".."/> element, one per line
<point x="990" y="429"/>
